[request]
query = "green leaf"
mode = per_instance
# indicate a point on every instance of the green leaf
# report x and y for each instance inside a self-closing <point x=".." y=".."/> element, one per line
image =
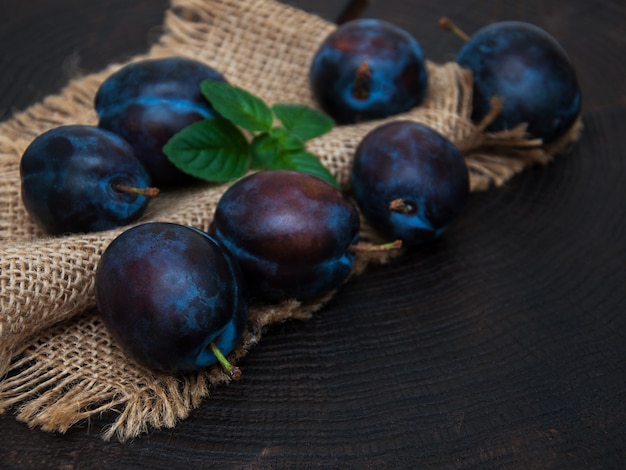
<point x="303" y="121"/>
<point x="268" y="146"/>
<point x="239" y="106"/>
<point x="214" y="150"/>
<point x="287" y="139"/>
<point x="264" y="150"/>
<point x="305" y="162"/>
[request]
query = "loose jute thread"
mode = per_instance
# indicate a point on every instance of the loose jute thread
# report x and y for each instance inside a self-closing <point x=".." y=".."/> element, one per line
<point x="57" y="362"/>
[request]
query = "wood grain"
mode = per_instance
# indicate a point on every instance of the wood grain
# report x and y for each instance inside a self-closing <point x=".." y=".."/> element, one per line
<point x="502" y="345"/>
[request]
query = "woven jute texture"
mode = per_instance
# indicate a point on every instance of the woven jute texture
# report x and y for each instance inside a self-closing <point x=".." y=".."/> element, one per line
<point x="58" y="365"/>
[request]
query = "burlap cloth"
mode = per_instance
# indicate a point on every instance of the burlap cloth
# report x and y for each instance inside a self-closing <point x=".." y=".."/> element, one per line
<point x="58" y="365"/>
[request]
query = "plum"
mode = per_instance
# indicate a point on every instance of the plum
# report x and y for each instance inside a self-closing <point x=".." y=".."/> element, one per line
<point x="79" y="178"/>
<point x="291" y="233"/>
<point x="169" y="295"/>
<point x="368" y="69"/>
<point x="409" y="181"/>
<point x="529" y="70"/>
<point x="148" y="101"/>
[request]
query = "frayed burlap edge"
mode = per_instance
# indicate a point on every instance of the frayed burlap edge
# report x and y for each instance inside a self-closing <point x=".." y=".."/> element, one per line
<point x="60" y="366"/>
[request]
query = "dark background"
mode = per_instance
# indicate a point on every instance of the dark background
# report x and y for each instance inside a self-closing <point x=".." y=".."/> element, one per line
<point x="502" y="345"/>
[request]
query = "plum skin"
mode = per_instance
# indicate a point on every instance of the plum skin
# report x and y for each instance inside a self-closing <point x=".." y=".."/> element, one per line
<point x="530" y="71"/>
<point x="148" y="101"/>
<point x="398" y="81"/>
<point x="409" y="161"/>
<point x="68" y="176"/>
<point x="166" y="291"/>
<point x="290" y="232"/>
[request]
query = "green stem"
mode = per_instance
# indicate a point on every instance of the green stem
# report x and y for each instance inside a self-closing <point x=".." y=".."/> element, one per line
<point x="233" y="371"/>
<point x="394" y="245"/>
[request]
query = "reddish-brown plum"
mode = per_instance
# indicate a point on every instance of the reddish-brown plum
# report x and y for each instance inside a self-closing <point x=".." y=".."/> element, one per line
<point x="291" y="233"/>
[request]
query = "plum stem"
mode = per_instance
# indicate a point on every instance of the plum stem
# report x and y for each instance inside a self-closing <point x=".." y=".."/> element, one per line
<point x="363" y="75"/>
<point x="447" y="24"/>
<point x="367" y="248"/>
<point x="233" y="371"/>
<point x="352" y="10"/>
<point x="124" y="188"/>
<point x="401" y="206"/>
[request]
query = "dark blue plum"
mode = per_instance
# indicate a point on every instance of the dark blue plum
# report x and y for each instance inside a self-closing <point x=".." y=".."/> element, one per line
<point x="291" y="233"/>
<point x="166" y="292"/>
<point x="368" y="69"/>
<point x="149" y="101"/>
<point x="409" y="181"/>
<point x="73" y="180"/>
<point x="527" y="68"/>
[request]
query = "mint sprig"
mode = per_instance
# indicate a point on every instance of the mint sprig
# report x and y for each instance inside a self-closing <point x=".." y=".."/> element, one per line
<point x="247" y="135"/>
<point x="238" y="105"/>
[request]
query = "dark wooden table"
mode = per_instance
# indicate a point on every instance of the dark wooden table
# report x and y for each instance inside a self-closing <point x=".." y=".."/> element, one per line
<point x="503" y="345"/>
